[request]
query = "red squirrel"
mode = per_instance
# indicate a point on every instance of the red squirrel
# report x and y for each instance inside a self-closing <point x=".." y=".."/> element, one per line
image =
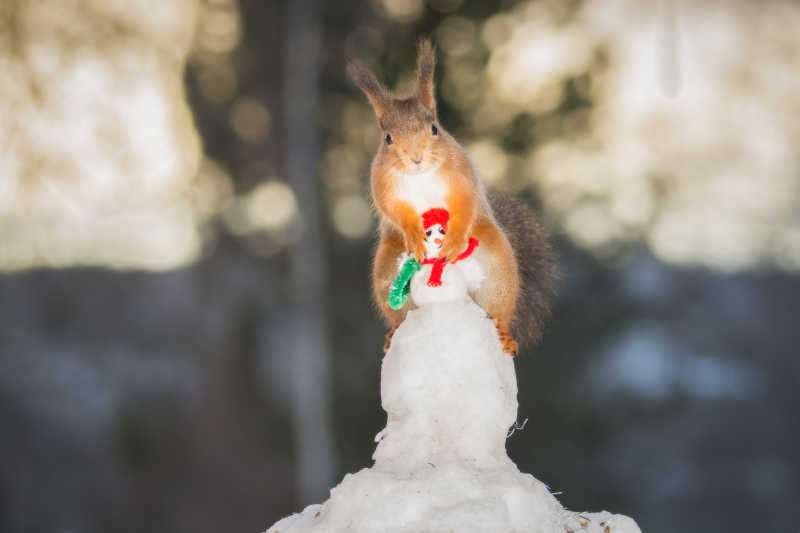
<point x="419" y="166"/>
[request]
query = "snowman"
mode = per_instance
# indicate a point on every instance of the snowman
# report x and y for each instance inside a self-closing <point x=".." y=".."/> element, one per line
<point x="435" y="280"/>
<point x="447" y="387"/>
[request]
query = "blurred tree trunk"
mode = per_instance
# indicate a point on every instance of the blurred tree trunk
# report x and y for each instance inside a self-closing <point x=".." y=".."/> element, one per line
<point x="309" y="388"/>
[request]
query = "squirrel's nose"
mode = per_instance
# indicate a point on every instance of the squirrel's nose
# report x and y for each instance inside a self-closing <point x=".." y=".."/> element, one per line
<point x="417" y="160"/>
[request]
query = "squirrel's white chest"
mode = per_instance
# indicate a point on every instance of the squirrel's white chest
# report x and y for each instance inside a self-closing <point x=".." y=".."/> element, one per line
<point x="423" y="191"/>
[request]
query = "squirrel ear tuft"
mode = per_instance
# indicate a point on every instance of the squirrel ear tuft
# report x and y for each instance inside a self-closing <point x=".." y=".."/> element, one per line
<point x="367" y="82"/>
<point x="426" y="64"/>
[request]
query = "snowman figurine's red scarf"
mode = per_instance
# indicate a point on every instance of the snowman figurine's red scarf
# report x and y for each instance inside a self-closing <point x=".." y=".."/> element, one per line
<point x="435" y="279"/>
<point x="440" y="216"/>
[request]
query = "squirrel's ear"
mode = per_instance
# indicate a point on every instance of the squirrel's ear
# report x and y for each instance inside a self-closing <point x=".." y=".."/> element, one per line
<point x="367" y="82"/>
<point x="426" y="64"/>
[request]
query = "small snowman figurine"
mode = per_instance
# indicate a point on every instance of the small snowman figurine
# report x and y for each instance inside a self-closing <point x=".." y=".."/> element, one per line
<point x="435" y="283"/>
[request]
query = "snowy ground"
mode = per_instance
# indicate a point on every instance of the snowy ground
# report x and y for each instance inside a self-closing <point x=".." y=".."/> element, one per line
<point x="450" y="394"/>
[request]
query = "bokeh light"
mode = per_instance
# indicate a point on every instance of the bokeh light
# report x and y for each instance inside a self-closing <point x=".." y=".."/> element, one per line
<point x="250" y="119"/>
<point x="403" y="10"/>
<point x="99" y="148"/>
<point x="352" y="216"/>
<point x="639" y="115"/>
<point x="490" y="160"/>
<point x="219" y="27"/>
<point x="270" y="207"/>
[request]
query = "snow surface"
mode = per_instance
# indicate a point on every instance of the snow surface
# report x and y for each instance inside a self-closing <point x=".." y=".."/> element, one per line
<point x="466" y="275"/>
<point x="450" y="394"/>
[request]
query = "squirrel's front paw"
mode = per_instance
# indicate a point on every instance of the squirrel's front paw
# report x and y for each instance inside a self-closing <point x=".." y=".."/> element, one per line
<point x="415" y="243"/>
<point x="453" y="247"/>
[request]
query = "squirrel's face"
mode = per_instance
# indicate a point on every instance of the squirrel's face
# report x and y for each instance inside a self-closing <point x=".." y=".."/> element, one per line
<point x="412" y="137"/>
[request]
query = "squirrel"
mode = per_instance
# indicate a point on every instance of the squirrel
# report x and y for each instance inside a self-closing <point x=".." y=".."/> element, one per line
<point x="420" y="166"/>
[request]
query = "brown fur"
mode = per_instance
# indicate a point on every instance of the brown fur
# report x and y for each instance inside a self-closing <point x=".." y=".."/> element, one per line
<point x="537" y="263"/>
<point x="519" y="258"/>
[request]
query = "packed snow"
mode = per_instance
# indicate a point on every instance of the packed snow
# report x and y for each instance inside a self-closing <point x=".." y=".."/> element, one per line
<point x="450" y="394"/>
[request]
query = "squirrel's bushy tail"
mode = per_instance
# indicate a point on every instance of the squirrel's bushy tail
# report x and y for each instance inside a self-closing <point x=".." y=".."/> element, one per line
<point x="537" y="264"/>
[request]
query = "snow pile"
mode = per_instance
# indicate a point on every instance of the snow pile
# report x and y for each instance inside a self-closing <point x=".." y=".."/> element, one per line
<point x="441" y="465"/>
<point x="447" y="402"/>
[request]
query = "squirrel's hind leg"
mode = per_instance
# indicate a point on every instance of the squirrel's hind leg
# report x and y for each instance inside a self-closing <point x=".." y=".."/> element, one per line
<point x="500" y="289"/>
<point x="384" y="270"/>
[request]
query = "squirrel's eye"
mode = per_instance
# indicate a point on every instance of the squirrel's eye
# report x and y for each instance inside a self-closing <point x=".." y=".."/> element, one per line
<point x="388" y="139"/>
<point x="434" y="129"/>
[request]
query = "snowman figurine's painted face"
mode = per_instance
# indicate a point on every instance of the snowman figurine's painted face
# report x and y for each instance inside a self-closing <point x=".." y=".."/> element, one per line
<point x="433" y="240"/>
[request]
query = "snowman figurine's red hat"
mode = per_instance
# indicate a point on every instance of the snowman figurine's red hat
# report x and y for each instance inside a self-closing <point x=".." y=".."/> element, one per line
<point x="436" y="215"/>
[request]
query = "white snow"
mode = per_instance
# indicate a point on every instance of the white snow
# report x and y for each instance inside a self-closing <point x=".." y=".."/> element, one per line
<point x="450" y="393"/>
<point x="457" y="279"/>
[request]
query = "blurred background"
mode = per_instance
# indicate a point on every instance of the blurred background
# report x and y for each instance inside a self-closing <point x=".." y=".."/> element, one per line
<point x="186" y="338"/>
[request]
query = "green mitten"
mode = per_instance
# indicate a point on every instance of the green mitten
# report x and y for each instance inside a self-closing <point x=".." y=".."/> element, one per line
<point x="398" y="292"/>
